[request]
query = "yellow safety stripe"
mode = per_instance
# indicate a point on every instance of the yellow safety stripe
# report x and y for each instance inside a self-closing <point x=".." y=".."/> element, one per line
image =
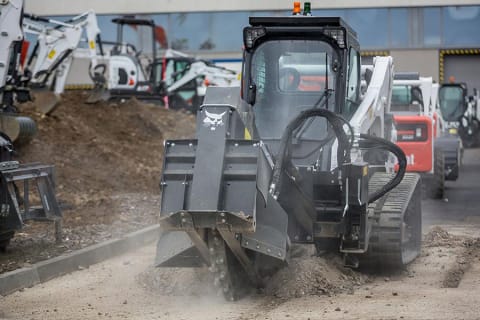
<point x="375" y="53"/>
<point x="79" y="87"/>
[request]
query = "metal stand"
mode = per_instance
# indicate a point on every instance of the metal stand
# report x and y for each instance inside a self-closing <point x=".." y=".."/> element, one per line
<point x="42" y="178"/>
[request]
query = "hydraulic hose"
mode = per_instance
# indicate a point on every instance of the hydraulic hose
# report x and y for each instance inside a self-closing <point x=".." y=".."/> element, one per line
<point x="372" y="142"/>
<point x="336" y="121"/>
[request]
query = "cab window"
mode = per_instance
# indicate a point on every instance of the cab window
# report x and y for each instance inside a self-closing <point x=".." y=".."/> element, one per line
<point x="353" y="83"/>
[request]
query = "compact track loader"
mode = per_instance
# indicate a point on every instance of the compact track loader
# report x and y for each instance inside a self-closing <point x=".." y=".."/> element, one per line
<point x="459" y="112"/>
<point x="413" y="108"/>
<point x="293" y="156"/>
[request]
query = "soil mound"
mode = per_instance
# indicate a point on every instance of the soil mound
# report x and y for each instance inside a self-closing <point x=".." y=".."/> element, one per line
<point x="108" y="161"/>
<point x="310" y="274"/>
<point x="438" y="237"/>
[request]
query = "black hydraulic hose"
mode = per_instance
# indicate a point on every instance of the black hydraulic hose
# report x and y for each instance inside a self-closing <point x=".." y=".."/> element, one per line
<point x="344" y="145"/>
<point x="372" y="142"/>
<point x="35" y="18"/>
<point x="321" y="143"/>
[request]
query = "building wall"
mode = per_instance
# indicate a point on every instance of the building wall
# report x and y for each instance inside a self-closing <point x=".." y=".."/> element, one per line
<point x="423" y="61"/>
<point x="414" y="32"/>
<point x="68" y="7"/>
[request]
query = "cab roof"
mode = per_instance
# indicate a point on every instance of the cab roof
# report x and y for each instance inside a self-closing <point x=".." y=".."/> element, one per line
<point x="302" y="21"/>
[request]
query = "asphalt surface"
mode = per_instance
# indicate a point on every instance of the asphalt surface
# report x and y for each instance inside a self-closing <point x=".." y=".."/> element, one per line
<point x="461" y="205"/>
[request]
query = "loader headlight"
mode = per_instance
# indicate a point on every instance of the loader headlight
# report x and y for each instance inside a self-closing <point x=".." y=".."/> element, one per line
<point x="337" y="34"/>
<point x="453" y="131"/>
<point x="252" y="34"/>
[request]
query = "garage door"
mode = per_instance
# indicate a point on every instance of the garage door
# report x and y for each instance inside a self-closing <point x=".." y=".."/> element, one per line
<point x="465" y="68"/>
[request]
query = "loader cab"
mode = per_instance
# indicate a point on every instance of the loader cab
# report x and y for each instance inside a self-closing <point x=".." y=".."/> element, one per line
<point x="290" y="63"/>
<point x="407" y="98"/>
<point x="452" y="101"/>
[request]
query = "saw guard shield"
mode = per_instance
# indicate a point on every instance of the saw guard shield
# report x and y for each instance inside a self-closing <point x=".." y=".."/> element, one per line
<point x="217" y="183"/>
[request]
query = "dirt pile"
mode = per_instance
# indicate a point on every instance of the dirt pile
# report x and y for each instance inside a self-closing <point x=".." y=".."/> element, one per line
<point x="470" y="254"/>
<point x="105" y="147"/>
<point x="103" y="150"/>
<point x="438" y="237"/>
<point x="309" y="274"/>
<point x="108" y="160"/>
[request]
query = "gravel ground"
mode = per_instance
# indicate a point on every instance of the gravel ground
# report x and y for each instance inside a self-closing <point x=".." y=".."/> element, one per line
<point x="118" y="289"/>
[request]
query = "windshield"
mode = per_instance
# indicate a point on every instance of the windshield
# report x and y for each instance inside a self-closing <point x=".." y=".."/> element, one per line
<point x="291" y="76"/>
<point x="406" y="98"/>
<point x="452" y="103"/>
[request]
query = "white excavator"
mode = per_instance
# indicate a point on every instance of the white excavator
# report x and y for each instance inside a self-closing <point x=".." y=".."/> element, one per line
<point x="16" y="207"/>
<point x="174" y="79"/>
<point x="53" y="53"/>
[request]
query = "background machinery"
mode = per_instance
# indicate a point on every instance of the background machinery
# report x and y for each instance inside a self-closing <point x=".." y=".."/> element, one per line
<point x="51" y="58"/>
<point x="413" y="108"/>
<point x="293" y="157"/>
<point x="459" y="111"/>
<point x="15" y="203"/>
<point x="177" y="80"/>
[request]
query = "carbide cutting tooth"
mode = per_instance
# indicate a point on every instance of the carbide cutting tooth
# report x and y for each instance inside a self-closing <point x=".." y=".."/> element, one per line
<point x="216" y="282"/>
<point x="222" y="275"/>
<point x="225" y="289"/>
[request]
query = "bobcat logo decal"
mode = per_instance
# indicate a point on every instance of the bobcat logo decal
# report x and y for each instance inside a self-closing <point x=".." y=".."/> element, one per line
<point x="213" y="120"/>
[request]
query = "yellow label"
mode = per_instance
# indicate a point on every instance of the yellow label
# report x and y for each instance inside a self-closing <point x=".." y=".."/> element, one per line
<point x="239" y="76"/>
<point x="365" y="171"/>
<point x="453" y="131"/>
<point x="91" y="43"/>
<point x="51" y="54"/>
<point x="247" y="135"/>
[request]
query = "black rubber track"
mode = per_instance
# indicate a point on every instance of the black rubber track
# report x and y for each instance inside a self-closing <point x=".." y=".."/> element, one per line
<point x="437" y="186"/>
<point x="396" y="223"/>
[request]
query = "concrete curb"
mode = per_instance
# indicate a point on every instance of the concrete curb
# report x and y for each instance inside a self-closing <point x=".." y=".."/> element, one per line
<point x="46" y="270"/>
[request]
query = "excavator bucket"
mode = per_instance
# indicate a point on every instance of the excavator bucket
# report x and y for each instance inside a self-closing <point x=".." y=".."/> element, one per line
<point x="220" y="185"/>
<point x="46" y="101"/>
<point x="99" y="93"/>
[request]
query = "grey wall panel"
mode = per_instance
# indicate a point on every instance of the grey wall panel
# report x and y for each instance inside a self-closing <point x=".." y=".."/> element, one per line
<point x="423" y="61"/>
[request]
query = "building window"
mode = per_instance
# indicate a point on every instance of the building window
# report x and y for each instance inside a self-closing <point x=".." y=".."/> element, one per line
<point x="398" y="26"/>
<point x="432" y="36"/>
<point x="461" y="26"/>
<point x="371" y="26"/>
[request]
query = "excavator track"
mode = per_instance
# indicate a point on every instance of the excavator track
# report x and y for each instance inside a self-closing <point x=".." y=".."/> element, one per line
<point x="229" y="277"/>
<point x="396" y="233"/>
